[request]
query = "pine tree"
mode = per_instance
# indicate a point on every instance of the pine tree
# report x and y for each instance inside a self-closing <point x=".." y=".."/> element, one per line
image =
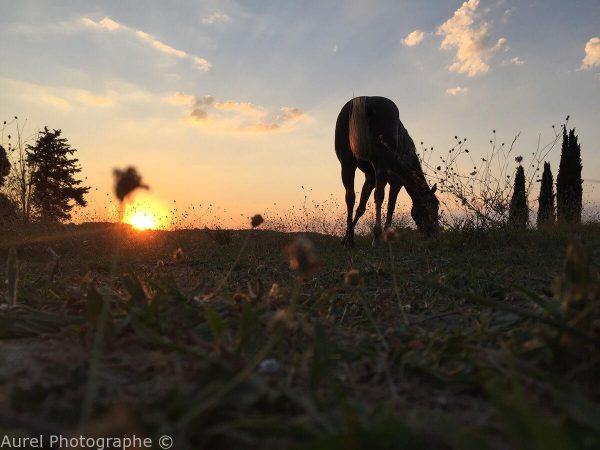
<point x="519" y="212"/>
<point x="53" y="177"/>
<point x="546" y="201"/>
<point x="569" y="185"/>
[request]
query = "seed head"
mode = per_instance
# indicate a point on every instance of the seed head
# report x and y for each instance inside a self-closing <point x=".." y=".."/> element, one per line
<point x="301" y="254"/>
<point x="353" y="278"/>
<point x="519" y="159"/>
<point x="126" y="181"/>
<point x="256" y="220"/>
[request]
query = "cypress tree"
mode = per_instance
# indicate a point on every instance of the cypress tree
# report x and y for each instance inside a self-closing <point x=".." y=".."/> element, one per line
<point x="546" y="201"/>
<point x="53" y="177"/>
<point x="519" y="212"/>
<point x="569" y="185"/>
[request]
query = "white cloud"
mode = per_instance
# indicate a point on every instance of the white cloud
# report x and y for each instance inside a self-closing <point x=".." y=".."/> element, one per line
<point x="216" y="17"/>
<point x="413" y="38"/>
<point x="235" y="117"/>
<point x="507" y="14"/>
<point x="110" y="25"/>
<point x="592" y="54"/>
<point x="516" y="61"/>
<point x="470" y="36"/>
<point x="68" y="98"/>
<point x="457" y="91"/>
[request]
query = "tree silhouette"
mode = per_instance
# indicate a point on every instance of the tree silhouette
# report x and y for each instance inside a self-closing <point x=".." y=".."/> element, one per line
<point x="546" y="213"/>
<point x="7" y="207"/>
<point x="519" y="212"/>
<point x="569" y="188"/>
<point x="4" y="165"/>
<point x="53" y="177"/>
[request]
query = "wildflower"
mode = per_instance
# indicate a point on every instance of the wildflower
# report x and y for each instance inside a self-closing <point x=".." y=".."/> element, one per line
<point x="301" y="254"/>
<point x="519" y="159"/>
<point x="353" y="278"/>
<point x="256" y="220"/>
<point x="127" y="181"/>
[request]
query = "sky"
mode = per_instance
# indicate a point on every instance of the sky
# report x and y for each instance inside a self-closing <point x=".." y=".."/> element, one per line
<point x="233" y="103"/>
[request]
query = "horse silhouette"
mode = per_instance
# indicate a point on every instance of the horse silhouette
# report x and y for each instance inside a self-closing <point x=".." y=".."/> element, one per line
<point x="370" y="136"/>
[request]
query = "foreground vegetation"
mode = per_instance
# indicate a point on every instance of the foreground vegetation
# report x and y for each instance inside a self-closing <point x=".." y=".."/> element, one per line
<point x="467" y="340"/>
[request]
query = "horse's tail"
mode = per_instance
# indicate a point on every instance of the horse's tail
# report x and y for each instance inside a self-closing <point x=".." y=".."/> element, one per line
<point x="361" y="142"/>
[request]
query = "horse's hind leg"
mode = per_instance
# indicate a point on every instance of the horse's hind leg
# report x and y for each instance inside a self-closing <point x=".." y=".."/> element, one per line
<point x="380" y="182"/>
<point x="395" y="186"/>
<point x="348" y="172"/>
<point x="364" y="196"/>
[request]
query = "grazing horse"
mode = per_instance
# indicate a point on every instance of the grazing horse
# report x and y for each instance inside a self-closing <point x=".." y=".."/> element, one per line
<point x="370" y="136"/>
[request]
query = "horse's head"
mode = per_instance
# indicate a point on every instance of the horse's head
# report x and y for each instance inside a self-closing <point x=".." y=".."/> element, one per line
<point x="425" y="211"/>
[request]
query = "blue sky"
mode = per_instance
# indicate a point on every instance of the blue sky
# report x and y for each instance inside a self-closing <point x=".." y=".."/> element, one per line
<point x="234" y="103"/>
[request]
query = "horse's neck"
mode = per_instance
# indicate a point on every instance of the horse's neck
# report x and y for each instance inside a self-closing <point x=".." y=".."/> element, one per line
<point x="410" y="168"/>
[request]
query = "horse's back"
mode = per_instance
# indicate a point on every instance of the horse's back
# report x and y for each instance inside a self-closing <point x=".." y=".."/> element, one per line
<point x="378" y="116"/>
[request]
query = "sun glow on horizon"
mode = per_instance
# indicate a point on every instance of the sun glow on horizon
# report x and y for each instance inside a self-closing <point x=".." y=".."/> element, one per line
<point x="142" y="220"/>
<point x="146" y="213"/>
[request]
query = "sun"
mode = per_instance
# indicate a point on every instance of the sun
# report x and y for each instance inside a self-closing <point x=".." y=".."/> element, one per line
<point x="142" y="220"/>
<point x="146" y="212"/>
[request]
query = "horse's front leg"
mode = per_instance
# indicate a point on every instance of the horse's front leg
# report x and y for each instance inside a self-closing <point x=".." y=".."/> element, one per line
<point x="348" y="172"/>
<point x="380" y="182"/>
<point x="395" y="186"/>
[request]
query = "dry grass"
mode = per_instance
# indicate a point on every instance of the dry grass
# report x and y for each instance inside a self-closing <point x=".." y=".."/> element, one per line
<point x="490" y="356"/>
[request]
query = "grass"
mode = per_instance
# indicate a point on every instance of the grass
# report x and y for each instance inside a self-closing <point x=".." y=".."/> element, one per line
<point x="227" y="349"/>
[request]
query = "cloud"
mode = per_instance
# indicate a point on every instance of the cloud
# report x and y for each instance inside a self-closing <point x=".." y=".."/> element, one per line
<point x="55" y="101"/>
<point x="413" y="38"/>
<point x="516" y="61"/>
<point x="245" y="108"/>
<point x="470" y="36"/>
<point x="507" y="14"/>
<point x="592" y="54"/>
<point x="239" y="117"/>
<point x="179" y="98"/>
<point x="94" y="100"/>
<point x="107" y="23"/>
<point x="457" y="91"/>
<point x="217" y="17"/>
<point x="77" y="100"/>
<point x="110" y="25"/>
<point x="160" y="46"/>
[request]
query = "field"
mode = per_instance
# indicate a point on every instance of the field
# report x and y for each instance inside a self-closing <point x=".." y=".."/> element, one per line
<point x="466" y="340"/>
